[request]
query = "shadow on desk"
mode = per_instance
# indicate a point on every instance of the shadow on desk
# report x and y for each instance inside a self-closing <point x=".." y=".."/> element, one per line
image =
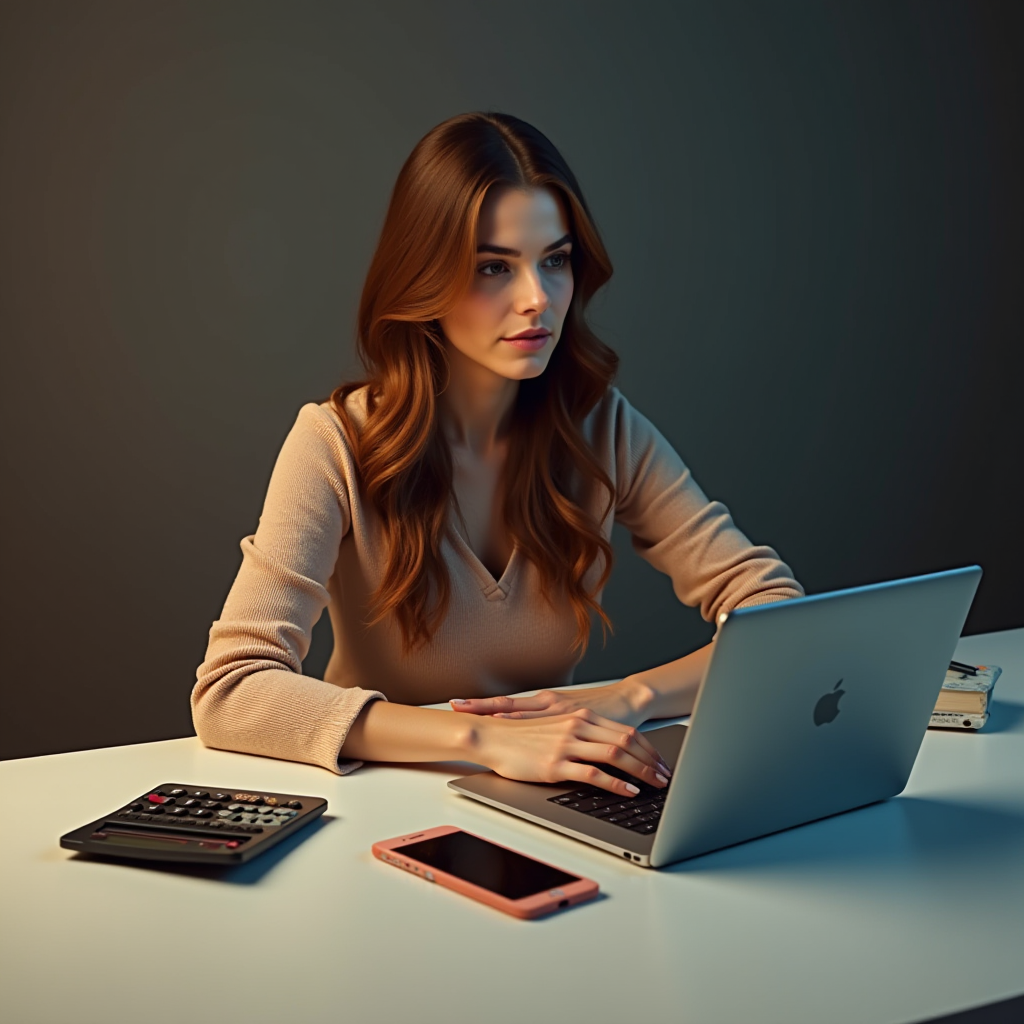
<point x="935" y="842"/>
<point x="1003" y="716"/>
<point x="250" y="873"/>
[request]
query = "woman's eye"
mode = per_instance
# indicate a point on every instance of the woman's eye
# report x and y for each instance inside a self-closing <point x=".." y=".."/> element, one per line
<point x="562" y="257"/>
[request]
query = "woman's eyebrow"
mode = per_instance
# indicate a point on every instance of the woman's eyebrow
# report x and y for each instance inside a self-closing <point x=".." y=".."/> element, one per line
<point x="500" y="250"/>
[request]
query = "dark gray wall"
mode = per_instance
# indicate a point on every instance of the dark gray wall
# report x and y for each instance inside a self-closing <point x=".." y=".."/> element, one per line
<point x="814" y="211"/>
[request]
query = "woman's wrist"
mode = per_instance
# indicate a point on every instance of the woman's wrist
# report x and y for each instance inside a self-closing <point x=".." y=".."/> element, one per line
<point x="639" y="696"/>
<point x="670" y="690"/>
<point x="386" y="731"/>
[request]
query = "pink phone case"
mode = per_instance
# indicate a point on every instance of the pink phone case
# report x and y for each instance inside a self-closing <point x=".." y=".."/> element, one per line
<point x="390" y="851"/>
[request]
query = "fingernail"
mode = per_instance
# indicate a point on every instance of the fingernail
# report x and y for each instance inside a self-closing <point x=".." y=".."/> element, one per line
<point x="665" y="768"/>
<point x="661" y="778"/>
<point x="632" y="788"/>
<point x="458" y="700"/>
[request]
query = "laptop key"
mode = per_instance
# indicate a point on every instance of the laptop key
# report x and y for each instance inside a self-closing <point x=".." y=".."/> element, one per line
<point x="647" y="828"/>
<point x="586" y="806"/>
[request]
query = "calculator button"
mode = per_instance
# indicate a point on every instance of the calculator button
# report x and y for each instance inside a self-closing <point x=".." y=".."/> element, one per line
<point x="258" y="800"/>
<point x="232" y="844"/>
<point x="212" y="804"/>
<point x="223" y="797"/>
<point x="177" y="811"/>
<point x="215" y="824"/>
<point x="224" y="814"/>
<point x="156" y="810"/>
<point x="267" y="821"/>
<point x="190" y="802"/>
<point x="235" y="807"/>
<point x="200" y="794"/>
<point x="136" y="806"/>
<point x="156" y="798"/>
<point x="179" y="792"/>
<point x="294" y="803"/>
<point x="202" y="813"/>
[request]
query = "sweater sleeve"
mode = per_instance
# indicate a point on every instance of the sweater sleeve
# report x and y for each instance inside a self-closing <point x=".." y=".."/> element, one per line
<point x="682" y="533"/>
<point x="250" y="694"/>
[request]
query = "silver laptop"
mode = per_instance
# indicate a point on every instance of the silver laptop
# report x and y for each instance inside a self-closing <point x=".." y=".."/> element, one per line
<point x="808" y="707"/>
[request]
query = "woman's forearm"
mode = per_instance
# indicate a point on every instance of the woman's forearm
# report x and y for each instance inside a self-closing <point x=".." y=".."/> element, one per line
<point x="384" y="731"/>
<point x="669" y="691"/>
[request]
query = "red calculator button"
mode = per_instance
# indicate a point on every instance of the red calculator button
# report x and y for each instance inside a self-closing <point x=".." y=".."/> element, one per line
<point x="231" y="845"/>
<point x="156" y="798"/>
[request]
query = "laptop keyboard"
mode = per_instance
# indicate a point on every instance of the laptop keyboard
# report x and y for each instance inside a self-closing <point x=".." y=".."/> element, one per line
<point x="640" y="813"/>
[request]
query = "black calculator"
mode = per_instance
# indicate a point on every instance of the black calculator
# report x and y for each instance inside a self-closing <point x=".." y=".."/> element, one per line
<point x="179" y="822"/>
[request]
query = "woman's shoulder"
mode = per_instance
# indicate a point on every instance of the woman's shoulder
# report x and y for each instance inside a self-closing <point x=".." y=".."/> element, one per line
<point x="323" y="419"/>
<point x="320" y="441"/>
<point x="619" y="432"/>
<point x="611" y="418"/>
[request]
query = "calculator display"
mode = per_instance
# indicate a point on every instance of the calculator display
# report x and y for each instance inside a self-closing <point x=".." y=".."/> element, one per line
<point x="502" y="871"/>
<point x="155" y="842"/>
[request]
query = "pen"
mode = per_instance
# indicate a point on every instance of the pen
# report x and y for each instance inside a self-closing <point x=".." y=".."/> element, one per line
<point x="959" y="666"/>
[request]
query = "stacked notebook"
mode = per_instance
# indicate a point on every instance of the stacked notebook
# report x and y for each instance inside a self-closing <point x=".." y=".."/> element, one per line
<point x="965" y="696"/>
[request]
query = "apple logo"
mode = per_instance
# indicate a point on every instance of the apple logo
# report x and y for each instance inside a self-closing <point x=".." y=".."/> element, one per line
<point x="828" y="706"/>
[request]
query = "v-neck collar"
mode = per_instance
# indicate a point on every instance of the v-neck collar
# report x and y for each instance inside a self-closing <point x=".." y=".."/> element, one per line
<point x="494" y="590"/>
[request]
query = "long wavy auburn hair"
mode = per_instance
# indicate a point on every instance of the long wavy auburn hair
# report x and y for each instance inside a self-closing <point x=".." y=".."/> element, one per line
<point x="424" y="263"/>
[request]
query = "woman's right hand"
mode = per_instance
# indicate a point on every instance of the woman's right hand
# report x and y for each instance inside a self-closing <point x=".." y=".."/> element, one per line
<point x="554" y="749"/>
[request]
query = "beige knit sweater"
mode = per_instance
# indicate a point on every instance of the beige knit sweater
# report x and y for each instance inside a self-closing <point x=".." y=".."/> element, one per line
<point x="318" y="543"/>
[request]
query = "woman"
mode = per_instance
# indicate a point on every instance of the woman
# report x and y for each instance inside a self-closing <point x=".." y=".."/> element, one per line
<point x="454" y="510"/>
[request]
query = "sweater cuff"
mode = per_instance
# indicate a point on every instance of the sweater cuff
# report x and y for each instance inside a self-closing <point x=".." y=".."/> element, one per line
<point x="346" y="765"/>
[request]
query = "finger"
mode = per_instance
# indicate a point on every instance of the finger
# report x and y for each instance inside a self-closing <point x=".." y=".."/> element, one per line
<point x="618" y="749"/>
<point x="650" y="754"/>
<point x="591" y="774"/>
<point x="495" y="705"/>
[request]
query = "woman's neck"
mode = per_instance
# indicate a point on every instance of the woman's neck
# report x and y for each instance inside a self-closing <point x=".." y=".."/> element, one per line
<point x="476" y="408"/>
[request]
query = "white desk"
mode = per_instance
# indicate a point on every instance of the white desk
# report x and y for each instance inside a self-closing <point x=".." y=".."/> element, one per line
<point x="894" y="913"/>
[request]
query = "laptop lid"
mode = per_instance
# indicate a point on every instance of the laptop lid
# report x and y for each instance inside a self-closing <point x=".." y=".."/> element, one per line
<point x="811" y="706"/>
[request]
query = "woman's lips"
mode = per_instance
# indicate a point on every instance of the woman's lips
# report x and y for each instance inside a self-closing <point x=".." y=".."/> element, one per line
<point x="529" y="344"/>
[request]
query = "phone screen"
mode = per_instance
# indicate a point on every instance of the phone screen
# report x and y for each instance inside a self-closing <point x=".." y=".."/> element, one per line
<point x="491" y="867"/>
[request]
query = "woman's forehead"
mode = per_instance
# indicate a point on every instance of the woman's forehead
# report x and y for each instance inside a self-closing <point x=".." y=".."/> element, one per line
<point x="508" y="214"/>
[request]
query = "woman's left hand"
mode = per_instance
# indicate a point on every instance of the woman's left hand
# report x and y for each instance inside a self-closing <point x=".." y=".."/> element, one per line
<point x="624" y="702"/>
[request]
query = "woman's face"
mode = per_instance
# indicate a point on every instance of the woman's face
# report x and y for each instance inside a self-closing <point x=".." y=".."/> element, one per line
<point x="522" y="282"/>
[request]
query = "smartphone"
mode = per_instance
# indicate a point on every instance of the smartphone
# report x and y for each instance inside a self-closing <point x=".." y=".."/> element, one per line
<point x="486" y="871"/>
